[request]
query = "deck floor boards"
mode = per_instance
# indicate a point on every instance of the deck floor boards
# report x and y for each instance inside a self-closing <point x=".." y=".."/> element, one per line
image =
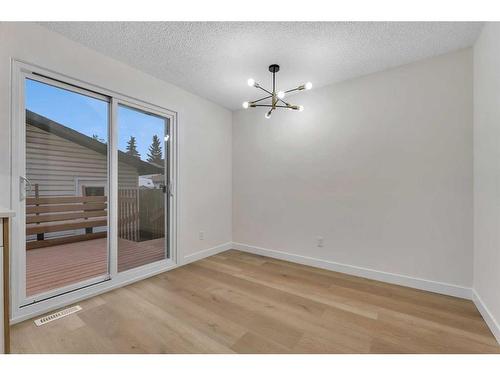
<point x="53" y="267"/>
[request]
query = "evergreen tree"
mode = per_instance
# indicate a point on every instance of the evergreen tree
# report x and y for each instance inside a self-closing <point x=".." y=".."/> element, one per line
<point x="97" y="138"/>
<point x="155" y="154"/>
<point x="132" y="147"/>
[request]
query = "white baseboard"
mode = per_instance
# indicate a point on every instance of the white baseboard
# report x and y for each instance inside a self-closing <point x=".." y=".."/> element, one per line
<point x="487" y="315"/>
<point x="206" y="253"/>
<point x="392" y="278"/>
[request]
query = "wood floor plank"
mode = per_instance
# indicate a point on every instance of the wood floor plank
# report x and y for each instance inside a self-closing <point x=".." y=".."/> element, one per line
<point x="251" y="343"/>
<point x="236" y="302"/>
<point x="317" y="294"/>
<point x="204" y="320"/>
<point x="260" y="322"/>
<point x="292" y="301"/>
<point x="323" y="344"/>
<point x="396" y="293"/>
<point x="458" y="305"/>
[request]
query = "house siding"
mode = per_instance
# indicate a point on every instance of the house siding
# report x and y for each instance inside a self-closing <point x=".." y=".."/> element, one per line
<point x="55" y="164"/>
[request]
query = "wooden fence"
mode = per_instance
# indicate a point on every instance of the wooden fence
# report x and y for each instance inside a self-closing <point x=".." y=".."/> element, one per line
<point x="141" y="214"/>
<point x="152" y="214"/>
<point x="128" y="214"/>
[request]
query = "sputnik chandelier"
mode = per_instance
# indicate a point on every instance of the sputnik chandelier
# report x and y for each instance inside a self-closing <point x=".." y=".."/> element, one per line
<point x="276" y="97"/>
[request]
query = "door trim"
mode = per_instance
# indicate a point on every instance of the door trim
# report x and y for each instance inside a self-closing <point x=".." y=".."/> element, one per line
<point x="19" y="310"/>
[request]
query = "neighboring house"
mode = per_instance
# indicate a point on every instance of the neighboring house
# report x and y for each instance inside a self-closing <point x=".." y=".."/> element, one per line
<point x="63" y="162"/>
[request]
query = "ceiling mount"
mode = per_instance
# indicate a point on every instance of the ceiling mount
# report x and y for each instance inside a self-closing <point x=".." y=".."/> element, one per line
<point x="275" y="96"/>
<point x="275" y="68"/>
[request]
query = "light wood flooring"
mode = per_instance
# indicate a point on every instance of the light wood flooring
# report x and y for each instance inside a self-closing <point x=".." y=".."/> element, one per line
<point x="53" y="267"/>
<point x="236" y="302"/>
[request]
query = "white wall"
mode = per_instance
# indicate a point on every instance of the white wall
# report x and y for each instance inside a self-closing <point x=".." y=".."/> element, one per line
<point x="380" y="166"/>
<point x="487" y="174"/>
<point x="204" y="127"/>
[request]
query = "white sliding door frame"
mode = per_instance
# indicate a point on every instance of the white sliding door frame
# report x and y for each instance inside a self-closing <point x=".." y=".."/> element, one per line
<point x="169" y="202"/>
<point x="23" y="307"/>
<point x="19" y="148"/>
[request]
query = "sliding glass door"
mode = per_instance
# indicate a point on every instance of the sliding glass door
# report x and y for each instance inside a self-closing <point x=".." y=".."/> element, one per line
<point x="93" y="189"/>
<point x="143" y="188"/>
<point x="65" y="188"/>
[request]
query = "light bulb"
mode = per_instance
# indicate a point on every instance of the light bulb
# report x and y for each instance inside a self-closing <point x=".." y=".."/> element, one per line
<point x="246" y="105"/>
<point x="301" y="108"/>
<point x="268" y="114"/>
<point x="281" y="94"/>
<point x="308" y="86"/>
<point x="251" y="82"/>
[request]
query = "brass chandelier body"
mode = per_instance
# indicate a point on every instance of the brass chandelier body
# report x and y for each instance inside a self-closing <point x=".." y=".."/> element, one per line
<point x="276" y="97"/>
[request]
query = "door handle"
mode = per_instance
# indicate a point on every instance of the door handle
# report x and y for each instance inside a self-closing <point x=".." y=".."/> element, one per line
<point x="23" y="183"/>
<point x="169" y="187"/>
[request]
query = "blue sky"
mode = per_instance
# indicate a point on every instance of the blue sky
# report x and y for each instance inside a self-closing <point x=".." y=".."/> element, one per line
<point x="90" y="116"/>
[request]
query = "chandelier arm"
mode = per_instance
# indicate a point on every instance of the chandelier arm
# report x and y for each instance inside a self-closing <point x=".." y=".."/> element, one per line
<point x="263" y="89"/>
<point x="292" y="90"/>
<point x="270" y="106"/>
<point x="281" y="100"/>
<point x="264" y="98"/>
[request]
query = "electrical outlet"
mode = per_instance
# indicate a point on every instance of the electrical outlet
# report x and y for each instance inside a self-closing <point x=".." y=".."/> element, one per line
<point x="320" y="241"/>
<point x="201" y="235"/>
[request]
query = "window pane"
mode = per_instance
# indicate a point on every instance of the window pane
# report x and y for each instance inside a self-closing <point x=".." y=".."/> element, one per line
<point x="67" y="169"/>
<point x="142" y="186"/>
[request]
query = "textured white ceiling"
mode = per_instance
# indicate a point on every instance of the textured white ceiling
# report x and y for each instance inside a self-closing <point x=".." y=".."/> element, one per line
<point x="215" y="59"/>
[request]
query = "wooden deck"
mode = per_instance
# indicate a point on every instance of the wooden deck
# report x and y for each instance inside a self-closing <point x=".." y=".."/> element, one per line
<point x="57" y="266"/>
